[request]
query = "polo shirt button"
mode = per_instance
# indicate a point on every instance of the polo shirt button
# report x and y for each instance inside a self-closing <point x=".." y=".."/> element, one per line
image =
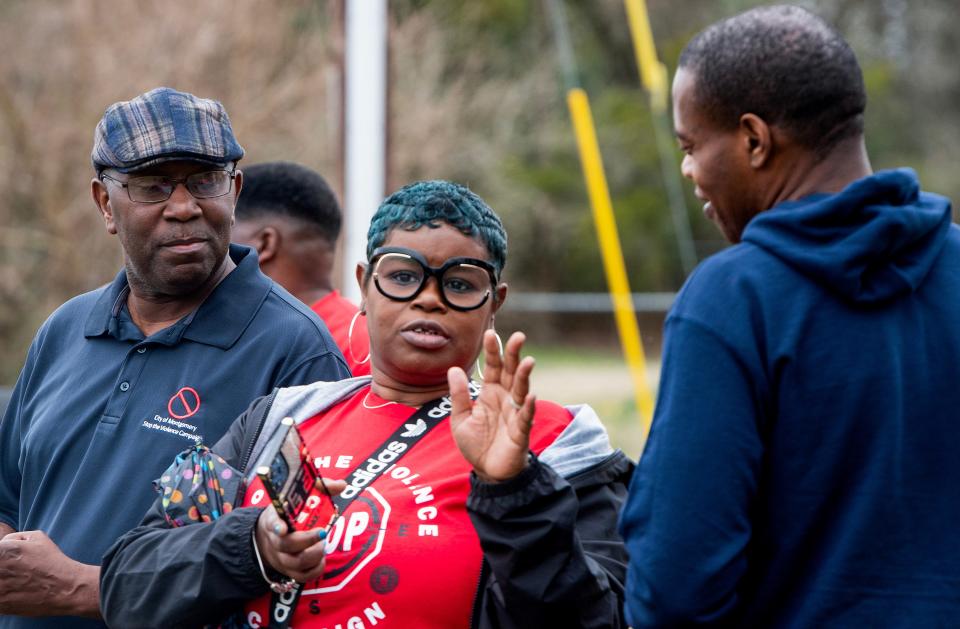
<point x="124" y="386"/>
<point x="141" y="350"/>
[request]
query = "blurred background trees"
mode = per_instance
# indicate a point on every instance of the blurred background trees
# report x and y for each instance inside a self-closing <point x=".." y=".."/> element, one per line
<point x="475" y="96"/>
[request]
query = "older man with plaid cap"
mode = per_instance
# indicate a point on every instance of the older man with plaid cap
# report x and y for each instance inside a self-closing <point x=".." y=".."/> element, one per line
<point x="120" y="379"/>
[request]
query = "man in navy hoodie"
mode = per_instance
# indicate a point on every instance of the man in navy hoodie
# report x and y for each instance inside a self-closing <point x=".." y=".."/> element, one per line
<point x="803" y="468"/>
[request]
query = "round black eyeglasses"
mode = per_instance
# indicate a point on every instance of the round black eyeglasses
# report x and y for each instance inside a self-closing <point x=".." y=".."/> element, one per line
<point x="400" y="274"/>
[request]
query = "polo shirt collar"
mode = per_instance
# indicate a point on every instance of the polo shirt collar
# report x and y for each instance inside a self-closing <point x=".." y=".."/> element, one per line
<point x="220" y="319"/>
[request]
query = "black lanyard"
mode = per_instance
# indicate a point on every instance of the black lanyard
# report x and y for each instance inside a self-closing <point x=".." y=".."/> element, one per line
<point x="409" y="434"/>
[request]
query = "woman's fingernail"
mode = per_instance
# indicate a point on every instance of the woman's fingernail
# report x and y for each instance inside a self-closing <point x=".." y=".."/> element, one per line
<point x="322" y="534"/>
<point x="278" y="529"/>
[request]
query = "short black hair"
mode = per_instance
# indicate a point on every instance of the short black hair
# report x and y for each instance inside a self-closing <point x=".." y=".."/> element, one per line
<point x="292" y="190"/>
<point x="783" y="64"/>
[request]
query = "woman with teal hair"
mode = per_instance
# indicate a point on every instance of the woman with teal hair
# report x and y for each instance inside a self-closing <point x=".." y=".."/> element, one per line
<point x="503" y="515"/>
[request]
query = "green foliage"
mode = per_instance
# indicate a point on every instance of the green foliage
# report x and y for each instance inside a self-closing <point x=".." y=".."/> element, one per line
<point x="886" y="119"/>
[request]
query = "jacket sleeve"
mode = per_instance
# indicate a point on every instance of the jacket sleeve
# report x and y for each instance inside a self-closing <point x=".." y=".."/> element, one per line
<point x="554" y="556"/>
<point x="156" y="576"/>
<point x="687" y="520"/>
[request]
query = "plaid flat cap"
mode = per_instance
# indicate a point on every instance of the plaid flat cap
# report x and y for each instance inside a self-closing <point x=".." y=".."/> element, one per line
<point x="160" y="126"/>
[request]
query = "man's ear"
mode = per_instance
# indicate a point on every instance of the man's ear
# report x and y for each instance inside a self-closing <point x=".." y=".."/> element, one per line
<point x="757" y="138"/>
<point x="267" y="242"/>
<point x="101" y="196"/>
<point x="237" y="184"/>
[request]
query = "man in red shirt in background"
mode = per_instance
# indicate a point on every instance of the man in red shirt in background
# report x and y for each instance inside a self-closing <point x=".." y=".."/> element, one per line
<point x="289" y="214"/>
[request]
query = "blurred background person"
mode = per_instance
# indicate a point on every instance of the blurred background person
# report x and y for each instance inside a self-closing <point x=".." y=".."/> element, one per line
<point x="503" y="515"/>
<point x="803" y="462"/>
<point x="121" y="378"/>
<point x="289" y="214"/>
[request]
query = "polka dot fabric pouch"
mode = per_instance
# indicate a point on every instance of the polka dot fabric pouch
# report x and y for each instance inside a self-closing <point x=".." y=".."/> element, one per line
<point x="198" y="487"/>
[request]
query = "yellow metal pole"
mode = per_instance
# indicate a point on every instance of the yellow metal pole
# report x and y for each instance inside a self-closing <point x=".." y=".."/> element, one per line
<point x="612" y="254"/>
<point x="653" y="74"/>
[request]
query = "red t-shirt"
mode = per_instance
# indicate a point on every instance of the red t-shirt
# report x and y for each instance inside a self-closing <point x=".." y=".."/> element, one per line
<point x="337" y="313"/>
<point x="405" y="553"/>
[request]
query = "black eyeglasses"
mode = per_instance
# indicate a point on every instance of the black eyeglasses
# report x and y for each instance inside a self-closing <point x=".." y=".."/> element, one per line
<point x="400" y="274"/>
<point x="157" y="188"/>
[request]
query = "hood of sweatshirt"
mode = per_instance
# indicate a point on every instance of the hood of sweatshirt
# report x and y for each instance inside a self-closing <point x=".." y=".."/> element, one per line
<point x="869" y="243"/>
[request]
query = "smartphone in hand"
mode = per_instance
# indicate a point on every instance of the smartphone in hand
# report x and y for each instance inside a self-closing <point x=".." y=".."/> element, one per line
<point x="290" y="478"/>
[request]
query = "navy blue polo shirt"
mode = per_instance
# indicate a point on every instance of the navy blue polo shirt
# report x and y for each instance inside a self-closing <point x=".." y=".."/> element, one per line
<point x="99" y="411"/>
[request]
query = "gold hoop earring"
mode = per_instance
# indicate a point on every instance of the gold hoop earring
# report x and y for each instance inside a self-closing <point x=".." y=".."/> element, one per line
<point x="478" y="367"/>
<point x="353" y="356"/>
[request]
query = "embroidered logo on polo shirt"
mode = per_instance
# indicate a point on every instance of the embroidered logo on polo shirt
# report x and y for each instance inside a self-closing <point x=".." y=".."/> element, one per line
<point x="184" y="403"/>
<point x="181" y="406"/>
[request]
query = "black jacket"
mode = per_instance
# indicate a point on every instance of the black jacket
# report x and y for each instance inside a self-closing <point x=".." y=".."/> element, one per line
<point x="552" y="554"/>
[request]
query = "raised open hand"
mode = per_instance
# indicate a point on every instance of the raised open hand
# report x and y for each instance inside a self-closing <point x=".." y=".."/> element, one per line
<point x="493" y="433"/>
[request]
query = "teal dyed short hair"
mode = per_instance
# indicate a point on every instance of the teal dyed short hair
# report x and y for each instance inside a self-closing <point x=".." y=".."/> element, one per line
<point x="432" y="203"/>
